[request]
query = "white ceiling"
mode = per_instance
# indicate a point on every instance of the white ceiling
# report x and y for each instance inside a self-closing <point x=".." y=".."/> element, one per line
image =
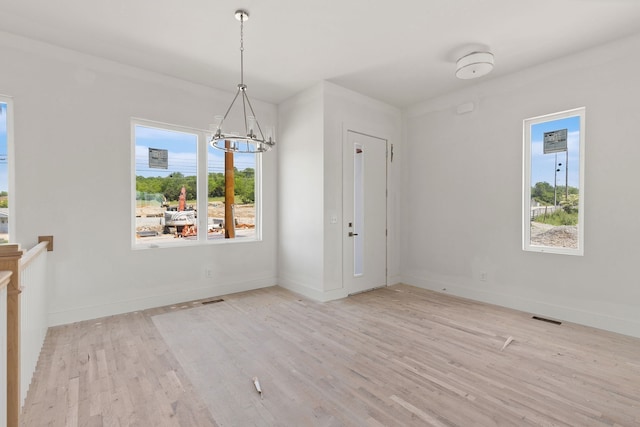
<point x="400" y="52"/>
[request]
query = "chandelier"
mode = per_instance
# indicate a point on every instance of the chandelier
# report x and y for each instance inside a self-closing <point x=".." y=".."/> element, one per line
<point x="250" y="142"/>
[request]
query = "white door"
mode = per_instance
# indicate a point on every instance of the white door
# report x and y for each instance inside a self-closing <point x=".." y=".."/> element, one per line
<point x="365" y="212"/>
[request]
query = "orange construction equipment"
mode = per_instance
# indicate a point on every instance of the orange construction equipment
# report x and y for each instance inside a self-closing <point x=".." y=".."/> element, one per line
<point x="189" y="230"/>
<point x="182" y="200"/>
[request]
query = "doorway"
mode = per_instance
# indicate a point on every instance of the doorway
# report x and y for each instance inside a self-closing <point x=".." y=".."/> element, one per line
<point x="364" y="212"/>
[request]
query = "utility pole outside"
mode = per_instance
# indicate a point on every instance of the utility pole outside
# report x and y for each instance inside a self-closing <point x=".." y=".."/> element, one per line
<point x="229" y="193"/>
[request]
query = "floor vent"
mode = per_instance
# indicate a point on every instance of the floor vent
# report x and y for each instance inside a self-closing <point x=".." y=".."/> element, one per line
<point x="555" y="322"/>
<point x="213" y="301"/>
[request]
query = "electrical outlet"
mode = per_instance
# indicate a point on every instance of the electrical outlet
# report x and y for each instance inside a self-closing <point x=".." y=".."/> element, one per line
<point x="208" y="273"/>
<point x="483" y="276"/>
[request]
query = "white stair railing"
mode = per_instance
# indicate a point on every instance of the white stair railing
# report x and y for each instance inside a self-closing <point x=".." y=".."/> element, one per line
<point x="33" y="321"/>
<point x="5" y="276"/>
<point x="24" y="324"/>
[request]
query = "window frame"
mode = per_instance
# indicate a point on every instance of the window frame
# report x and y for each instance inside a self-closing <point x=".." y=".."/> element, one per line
<point x="5" y="99"/>
<point x="526" y="190"/>
<point x="202" y="173"/>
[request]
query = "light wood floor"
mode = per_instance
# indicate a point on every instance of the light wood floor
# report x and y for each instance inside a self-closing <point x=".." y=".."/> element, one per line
<point x="392" y="357"/>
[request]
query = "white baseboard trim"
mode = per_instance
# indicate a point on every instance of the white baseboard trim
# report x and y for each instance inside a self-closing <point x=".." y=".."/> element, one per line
<point x="78" y="314"/>
<point x="334" y="295"/>
<point x="394" y="280"/>
<point x="569" y="314"/>
<point x="300" y="288"/>
<point x="311" y="293"/>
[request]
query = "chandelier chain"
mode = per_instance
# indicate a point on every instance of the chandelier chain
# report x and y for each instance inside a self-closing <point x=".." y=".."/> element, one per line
<point x="242" y="49"/>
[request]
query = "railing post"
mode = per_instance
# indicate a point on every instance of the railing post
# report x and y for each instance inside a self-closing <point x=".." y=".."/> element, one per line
<point x="10" y="255"/>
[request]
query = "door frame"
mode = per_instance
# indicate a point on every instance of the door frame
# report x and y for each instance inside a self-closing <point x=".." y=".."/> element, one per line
<point x="345" y="247"/>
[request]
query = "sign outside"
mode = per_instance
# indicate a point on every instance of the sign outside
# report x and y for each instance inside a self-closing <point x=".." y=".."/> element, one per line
<point x="555" y="141"/>
<point x="158" y="158"/>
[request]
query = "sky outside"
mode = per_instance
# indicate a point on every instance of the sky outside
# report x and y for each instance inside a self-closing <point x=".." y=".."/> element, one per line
<point x="543" y="166"/>
<point x="182" y="152"/>
<point x="182" y="149"/>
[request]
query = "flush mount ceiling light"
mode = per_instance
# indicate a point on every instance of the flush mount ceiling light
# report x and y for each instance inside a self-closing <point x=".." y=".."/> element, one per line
<point x="473" y="65"/>
<point x="250" y="142"/>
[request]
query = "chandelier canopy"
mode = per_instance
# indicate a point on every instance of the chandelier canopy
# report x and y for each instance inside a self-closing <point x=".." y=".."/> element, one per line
<point x="253" y="139"/>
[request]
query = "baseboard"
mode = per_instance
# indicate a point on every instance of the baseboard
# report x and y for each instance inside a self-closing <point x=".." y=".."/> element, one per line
<point x="300" y="288"/>
<point x="394" y="280"/>
<point x="570" y="314"/>
<point x="63" y="317"/>
<point x="311" y="293"/>
<point x="334" y="295"/>
<point x="324" y="296"/>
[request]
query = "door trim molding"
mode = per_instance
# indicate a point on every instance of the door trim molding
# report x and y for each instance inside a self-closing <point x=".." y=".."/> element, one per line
<point x="353" y="127"/>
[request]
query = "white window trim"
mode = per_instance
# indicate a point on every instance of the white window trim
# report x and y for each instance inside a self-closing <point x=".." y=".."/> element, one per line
<point x="526" y="179"/>
<point x="203" y="137"/>
<point x="10" y="166"/>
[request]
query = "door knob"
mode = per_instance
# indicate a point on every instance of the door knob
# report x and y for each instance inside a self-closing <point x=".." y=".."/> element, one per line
<point x="351" y="234"/>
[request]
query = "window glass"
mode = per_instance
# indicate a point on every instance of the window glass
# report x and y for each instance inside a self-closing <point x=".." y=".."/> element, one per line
<point x="179" y="175"/>
<point x="235" y="171"/>
<point x="553" y="184"/>
<point x="166" y="184"/>
<point x="4" y="170"/>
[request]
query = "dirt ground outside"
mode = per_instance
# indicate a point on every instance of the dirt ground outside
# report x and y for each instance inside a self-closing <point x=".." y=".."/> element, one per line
<point x="244" y="214"/>
<point x="562" y="236"/>
<point x="150" y="221"/>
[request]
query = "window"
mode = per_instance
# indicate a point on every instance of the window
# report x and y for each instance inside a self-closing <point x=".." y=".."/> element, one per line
<point x="5" y="182"/>
<point x="181" y="184"/>
<point x="553" y="194"/>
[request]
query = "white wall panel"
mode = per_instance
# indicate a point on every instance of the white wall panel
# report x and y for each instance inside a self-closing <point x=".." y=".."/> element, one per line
<point x="463" y="183"/>
<point x="73" y="180"/>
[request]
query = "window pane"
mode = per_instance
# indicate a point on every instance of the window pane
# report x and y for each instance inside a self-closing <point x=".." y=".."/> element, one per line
<point x="4" y="175"/>
<point x="166" y="184"/>
<point x="233" y="171"/>
<point x="553" y="205"/>
<point x="172" y="166"/>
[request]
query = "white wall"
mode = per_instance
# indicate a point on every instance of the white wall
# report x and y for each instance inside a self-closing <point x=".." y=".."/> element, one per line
<point x="454" y="199"/>
<point x="73" y="180"/>
<point x="312" y="127"/>
<point x="300" y="189"/>
<point x="463" y="182"/>
<point x="347" y="110"/>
